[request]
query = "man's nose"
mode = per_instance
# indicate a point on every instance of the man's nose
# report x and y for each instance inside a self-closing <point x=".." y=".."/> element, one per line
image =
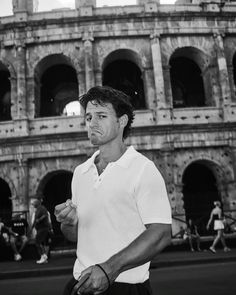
<point x="93" y="122"/>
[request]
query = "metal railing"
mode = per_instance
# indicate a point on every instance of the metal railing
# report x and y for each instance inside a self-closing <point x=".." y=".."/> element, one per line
<point x="230" y="223"/>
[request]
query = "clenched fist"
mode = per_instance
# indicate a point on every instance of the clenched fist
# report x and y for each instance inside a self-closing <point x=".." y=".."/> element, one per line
<point x="66" y="213"/>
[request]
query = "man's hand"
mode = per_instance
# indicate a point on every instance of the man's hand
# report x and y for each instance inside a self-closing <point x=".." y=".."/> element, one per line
<point x="97" y="282"/>
<point x="66" y="213"/>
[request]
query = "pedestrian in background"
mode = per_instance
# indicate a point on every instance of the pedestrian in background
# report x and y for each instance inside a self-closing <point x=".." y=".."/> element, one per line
<point x="18" y="233"/>
<point x="217" y="217"/>
<point x="42" y="225"/>
<point x="120" y="210"/>
<point x="191" y="234"/>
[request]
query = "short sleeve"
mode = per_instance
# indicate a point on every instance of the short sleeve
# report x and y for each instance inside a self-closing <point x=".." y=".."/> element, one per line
<point x="151" y="196"/>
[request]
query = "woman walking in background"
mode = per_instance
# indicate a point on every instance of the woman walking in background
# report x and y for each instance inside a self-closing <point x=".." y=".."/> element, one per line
<point x="217" y="217"/>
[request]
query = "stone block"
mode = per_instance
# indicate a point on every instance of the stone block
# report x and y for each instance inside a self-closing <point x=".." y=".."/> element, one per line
<point x="21" y="16"/>
<point x="86" y="11"/>
<point x="151" y="7"/>
<point x="84" y="3"/>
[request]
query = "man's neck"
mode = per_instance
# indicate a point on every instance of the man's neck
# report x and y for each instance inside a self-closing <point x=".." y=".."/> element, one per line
<point x="110" y="153"/>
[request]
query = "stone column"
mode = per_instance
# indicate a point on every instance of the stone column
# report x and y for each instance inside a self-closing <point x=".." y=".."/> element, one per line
<point x="20" y="118"/>
<point x="33" y="100"/>
<point x="22" y="8"/>
<point x="149" y="89"/>
<point x="168" y="88"/>
<point x="13" y="81"/>
<point x="88" y="60"/>
<point x="157" y="69"/>
<point x="28" y="6"/>
<point x="223" y="73"/>
<point x="21" y="81"/>
<point x="21" y="200"/>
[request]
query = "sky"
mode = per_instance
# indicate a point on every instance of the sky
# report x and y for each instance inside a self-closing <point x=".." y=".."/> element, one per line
<point x="44" y="5"/>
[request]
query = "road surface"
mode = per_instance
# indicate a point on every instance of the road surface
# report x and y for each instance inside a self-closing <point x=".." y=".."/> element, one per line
<point x="204" y="279"/>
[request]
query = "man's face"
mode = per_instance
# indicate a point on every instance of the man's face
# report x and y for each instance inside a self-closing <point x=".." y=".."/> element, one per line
<point x="102" y="123"/>
<point x="35" y="203"/>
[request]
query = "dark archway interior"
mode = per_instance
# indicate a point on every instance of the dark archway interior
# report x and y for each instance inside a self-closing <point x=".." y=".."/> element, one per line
<point x="58" y="87"/>
<point x="57" y="190"/>
<point x="200" y="191"/>
<point x="126" y="76"/>
<point x="187" y="83"/>
<point x="5" y="201"/>
<point x="5" y="96"/>
<point x="234" y="68"/>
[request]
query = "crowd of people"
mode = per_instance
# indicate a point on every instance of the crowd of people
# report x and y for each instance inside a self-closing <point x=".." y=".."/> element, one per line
<point x="19" y="231"/>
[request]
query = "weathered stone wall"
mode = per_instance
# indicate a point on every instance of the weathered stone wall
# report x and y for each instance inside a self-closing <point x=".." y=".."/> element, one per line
<point x="33" y="147"/>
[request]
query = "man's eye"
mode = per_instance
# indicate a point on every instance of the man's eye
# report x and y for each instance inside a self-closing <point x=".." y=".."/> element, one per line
<point x="101" y="116"/>
<point x="88" y="119"/>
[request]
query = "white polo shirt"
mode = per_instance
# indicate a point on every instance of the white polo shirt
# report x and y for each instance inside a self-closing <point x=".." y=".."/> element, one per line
<point x="114" y="207"/>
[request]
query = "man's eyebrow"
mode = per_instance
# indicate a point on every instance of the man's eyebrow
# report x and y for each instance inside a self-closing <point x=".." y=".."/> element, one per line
<point x="99" y="113"/>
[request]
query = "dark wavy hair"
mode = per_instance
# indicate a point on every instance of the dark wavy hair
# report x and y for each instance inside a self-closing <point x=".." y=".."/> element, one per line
<point x="119" y="100"/>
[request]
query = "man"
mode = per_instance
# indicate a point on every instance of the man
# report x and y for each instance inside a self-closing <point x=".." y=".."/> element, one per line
<point x="119" y="211"/>
<point x="18" y="230"/>
<point x="191" y="233"/>
<point x="42" y="226"/>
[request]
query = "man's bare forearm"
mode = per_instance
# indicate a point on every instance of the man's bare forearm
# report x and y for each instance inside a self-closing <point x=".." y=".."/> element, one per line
<point x="143" y="249"/>
<point x="69" y="231"/>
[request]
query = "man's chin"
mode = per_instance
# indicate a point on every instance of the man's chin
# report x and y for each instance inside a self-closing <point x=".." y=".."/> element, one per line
<point x="94" y="141"/>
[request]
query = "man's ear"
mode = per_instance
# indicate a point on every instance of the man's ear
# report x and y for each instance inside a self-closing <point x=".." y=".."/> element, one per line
<point x="123" y="120"/>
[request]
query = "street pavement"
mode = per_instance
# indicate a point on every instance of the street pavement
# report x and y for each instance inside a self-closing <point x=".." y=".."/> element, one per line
<point x="62" y="262"/>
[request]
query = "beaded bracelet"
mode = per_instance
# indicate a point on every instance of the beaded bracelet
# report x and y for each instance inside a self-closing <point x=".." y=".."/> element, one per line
<point x="109" y="284"/>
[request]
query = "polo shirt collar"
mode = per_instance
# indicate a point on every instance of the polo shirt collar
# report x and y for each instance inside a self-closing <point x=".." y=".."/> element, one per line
<point x="124" y="161"/>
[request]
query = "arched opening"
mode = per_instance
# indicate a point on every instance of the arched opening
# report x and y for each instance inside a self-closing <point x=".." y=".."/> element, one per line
<point x="56" y="189"/>
<point x="56" y="85"/>
<point x="199" y="192"/>
<point x="72" y="109"/>
<point x="5" y="94"/>
<point x="187" y="83"/>
<point x="234" y="69"/>
<point x="5" y="201"/>
<point x="121" y="72"/>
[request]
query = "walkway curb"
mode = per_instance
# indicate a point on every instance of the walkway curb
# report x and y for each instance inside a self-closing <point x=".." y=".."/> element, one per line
<point x="170" y="263"/>
<point x="63" y="264"/>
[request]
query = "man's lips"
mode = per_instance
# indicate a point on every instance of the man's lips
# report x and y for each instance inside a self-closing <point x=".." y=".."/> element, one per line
<point x="95" y="132"/>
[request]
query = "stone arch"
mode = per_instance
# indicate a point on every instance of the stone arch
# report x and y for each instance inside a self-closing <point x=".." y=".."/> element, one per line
<point x="122" y="70"/>
<point x="55" y="188"/>
<point x="216" y="166"/>
<point x="234" y="69"/>
<point x="201" y="183"/>
<point x="195" y="53"/>
<point x="7" y="202"/>
<point x="8" y="91"/>
<point x="123" y="53"/>
<point x="9" y="67"/>
<point x="189" y="85"/>
<point x="56" y="84"/>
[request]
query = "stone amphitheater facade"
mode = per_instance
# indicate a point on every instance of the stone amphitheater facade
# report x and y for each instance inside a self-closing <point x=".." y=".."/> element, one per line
<point x="177" y="61"/>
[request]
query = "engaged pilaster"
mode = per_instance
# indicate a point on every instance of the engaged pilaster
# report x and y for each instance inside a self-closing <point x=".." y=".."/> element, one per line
<point x="162" y="112"/>
<point x="88" y="60"/>
<point x="223" y="73"/>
